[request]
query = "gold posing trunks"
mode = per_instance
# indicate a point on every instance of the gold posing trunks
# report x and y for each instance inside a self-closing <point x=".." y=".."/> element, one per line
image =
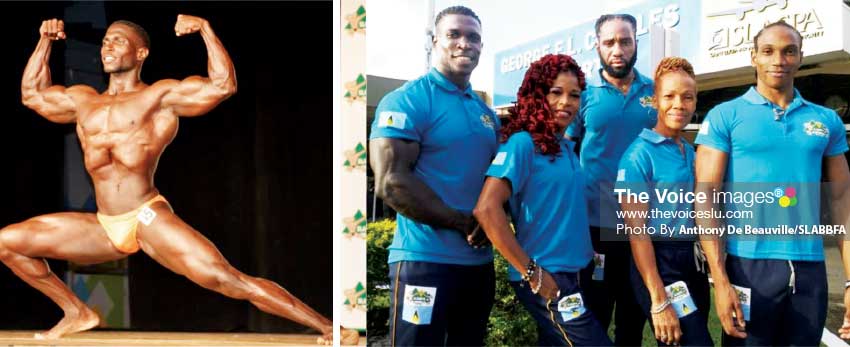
<point x="121" y="229"/>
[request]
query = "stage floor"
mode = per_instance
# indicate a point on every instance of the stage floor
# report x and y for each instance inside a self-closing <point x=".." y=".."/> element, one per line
<point x="137" y="338"/>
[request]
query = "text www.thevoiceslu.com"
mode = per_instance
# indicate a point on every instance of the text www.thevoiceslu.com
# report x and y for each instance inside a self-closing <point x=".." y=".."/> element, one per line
<point x="657" y="213"/>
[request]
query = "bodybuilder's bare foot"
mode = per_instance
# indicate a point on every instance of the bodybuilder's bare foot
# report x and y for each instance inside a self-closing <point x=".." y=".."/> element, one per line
<point x="348" y="337"/>
<point x="85" y="320"/>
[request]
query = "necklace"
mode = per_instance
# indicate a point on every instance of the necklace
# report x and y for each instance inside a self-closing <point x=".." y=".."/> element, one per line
<point x="625" y="87"/>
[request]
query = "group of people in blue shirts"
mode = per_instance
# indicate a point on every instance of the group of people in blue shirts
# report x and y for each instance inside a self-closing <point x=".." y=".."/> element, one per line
<point x="448" y="165"/>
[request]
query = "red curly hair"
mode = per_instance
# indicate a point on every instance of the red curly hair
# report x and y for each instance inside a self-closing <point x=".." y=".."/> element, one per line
<point x="531" y="112"/>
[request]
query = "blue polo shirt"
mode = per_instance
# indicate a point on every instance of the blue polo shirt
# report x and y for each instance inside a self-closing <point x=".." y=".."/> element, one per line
<point x="547" y="204"/>
<point x="771" y="155"/>
<point x="608" y="122"/>
<point x="456" y="132"/>
<point x="654" y="162"/>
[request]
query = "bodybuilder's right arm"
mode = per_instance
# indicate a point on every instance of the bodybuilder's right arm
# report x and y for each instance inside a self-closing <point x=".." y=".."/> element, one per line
<point x="392" y="161"/>
<point x="37" y="92"/>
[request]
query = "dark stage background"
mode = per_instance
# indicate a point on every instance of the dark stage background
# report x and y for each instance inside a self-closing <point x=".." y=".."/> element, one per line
<point x="251" y="175"/>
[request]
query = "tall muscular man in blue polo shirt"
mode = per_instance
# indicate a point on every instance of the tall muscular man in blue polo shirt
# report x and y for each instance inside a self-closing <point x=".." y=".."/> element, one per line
<point x="771" y="290"/>
<point x="614" y="111"/>
<point x="431" y="143"/>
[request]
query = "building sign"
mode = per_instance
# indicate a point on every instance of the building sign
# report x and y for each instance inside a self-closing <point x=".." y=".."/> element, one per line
<point x="580" y="43"/>
<point x="724" y="28"/>
<point x="728" y="28"/>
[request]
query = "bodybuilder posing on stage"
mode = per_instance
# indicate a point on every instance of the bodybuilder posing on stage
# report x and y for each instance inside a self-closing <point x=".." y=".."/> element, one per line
<point x="123" y="132"/>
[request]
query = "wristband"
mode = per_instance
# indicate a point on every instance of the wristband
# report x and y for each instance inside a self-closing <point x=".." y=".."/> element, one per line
<point x="529" y="271"/>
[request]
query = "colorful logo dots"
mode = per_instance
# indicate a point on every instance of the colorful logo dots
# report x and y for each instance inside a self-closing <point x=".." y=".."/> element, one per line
<point x="787" y="196"/>
<point x="790" y="192"/>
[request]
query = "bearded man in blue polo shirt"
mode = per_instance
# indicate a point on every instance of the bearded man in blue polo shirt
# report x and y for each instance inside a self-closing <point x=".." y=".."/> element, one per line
<point x="771" y="290"/>
<point x="614" y="110"/>
<point x="431" y="143"/>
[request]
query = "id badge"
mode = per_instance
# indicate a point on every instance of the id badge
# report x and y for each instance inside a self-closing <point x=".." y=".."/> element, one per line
<point x="418" y="304"/>
<point x="598" y="267"/>
<point x="744" y="296"/>
<point x="680" y="299"/>
<point x="571" y="307"/>
<point x="146" y="215"/>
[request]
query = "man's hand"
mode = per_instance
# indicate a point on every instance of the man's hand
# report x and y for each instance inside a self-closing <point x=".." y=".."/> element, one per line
<point x="477" y="237"/>
<point x="473" y="232"/>
<point x="187" y="24"/>
<point x="53" y="29"/>
<point x="727" y="304"/>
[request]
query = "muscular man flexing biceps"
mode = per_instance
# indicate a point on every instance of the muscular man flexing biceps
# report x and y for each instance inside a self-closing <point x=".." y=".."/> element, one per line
<point x="123" y="132"/>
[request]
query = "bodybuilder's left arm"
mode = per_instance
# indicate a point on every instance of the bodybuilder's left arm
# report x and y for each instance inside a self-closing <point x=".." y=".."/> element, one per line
<point x="197" y="95"/>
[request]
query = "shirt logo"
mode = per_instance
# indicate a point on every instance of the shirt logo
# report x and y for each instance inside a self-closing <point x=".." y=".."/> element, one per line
<point x="621" y="175"/>
<point x="389" y="119"/>
<point x="703" y="128"/>
<point x="815" y="128"/>
<point x="487" y="121"/>
<point x="500" y="158"/>
<point x="646" y="101"/>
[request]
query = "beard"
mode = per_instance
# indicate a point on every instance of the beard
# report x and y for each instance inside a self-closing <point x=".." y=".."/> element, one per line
<point x="622" y="72"/>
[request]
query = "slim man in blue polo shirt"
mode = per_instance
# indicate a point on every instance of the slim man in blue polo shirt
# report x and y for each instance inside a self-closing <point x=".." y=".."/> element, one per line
<point x="665" y="275"/>
<point x="431" y="142"/>
<point x="775" y="286"/>
<point x="613" y="112"/>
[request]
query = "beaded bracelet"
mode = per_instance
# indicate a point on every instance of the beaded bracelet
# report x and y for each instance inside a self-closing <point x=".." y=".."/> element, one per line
<point x="536" y="289"/>
<point x="660" y="308"/>
<point x="529" y="270"/>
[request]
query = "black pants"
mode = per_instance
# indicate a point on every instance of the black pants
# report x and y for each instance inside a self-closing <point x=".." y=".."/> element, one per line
<point x="675" y="262"/>
<point x="557" y="326"/>
<point x="440" y="304"/>
<point x="615" y="288"/>
<point x="782" y="312"/>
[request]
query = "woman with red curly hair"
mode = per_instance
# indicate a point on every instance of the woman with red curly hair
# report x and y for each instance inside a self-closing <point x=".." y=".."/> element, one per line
<point x="667" y="282"/>
<point x="536" y="171"/>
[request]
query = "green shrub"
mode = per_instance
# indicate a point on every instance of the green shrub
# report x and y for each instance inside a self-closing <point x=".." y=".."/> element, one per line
<point x="379" y="235"/>
<point x="510" y="324"/>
